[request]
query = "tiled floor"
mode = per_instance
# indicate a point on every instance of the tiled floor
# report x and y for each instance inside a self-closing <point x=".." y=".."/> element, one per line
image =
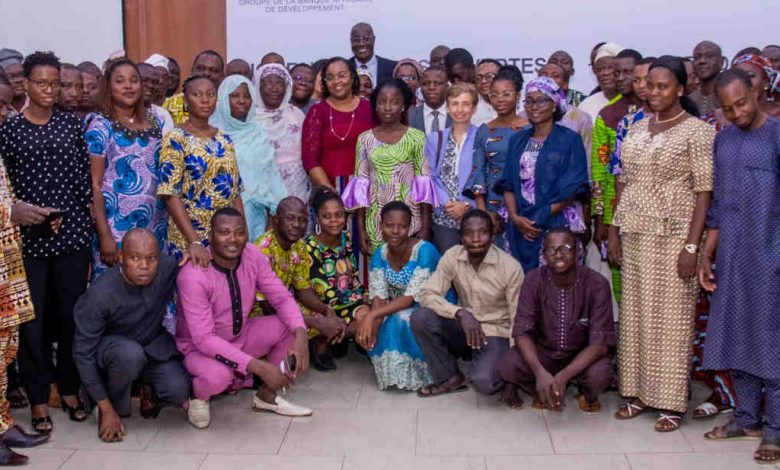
<point x="357" y="427"/>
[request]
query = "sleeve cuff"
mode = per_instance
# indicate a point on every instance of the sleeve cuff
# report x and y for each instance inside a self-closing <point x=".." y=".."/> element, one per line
<point x="356" y="193"/>
<point x="423" y="190"/>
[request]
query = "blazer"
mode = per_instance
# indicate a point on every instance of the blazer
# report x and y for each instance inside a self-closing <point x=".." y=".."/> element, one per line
<point x="417" y="118"/>
<point x="384" y="69"/>
<point x="436" y="161"/>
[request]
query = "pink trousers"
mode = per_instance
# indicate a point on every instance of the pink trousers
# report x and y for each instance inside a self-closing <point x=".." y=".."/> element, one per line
<point x="262" y="336"/>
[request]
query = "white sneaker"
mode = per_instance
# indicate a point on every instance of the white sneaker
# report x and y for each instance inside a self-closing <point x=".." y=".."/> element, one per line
<point x="198" y="413"/>
<point x="282" y="407"/>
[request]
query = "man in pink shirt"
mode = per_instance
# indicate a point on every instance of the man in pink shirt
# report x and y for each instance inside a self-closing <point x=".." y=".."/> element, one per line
<point x="221" y="345"/>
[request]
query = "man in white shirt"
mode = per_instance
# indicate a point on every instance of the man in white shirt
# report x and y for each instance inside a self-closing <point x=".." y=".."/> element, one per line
<point x="362" y="40"/>
<point x="486" y="72"/>
<point x="604" y="69"/>
<point x="150" y="83"/>
<point x="431" y="116"/>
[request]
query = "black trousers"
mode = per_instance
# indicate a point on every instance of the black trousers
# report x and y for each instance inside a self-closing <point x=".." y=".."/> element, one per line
<point x="122" y="360"/>
<point x="64" y="279"/>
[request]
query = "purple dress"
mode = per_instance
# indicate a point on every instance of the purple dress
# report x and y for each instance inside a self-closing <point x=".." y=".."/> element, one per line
<point x="744" y="321"/>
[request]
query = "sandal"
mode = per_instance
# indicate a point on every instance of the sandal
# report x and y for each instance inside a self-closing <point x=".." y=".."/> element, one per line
<point x="75" y="413"/>
<point x="709" y="410"/>
<point x="16" y="398"/>
<point x="672" y="418"/>
<point x="446" y="388"/>
<point x="39" y="424"/>
<point x="730" y="431"/>
<point x="587" y="407"/>
<point x="630" y="409"/>
<point x="770" y="445"/>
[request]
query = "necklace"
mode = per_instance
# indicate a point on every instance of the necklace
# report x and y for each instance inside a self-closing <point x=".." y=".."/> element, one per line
<point x="658" y="121"/>
<point x="349" y="129"/>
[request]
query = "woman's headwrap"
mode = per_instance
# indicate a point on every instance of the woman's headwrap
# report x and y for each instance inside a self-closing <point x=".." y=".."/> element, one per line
<point x="548" y="87"/>
<point x="772" y="75"/>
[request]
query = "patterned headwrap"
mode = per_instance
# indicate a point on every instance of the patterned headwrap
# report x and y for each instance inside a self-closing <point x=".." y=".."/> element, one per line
<point x="411" y="62"/>
<point x="548" y="86"/>
<point x="278" y="71"/>
<point x="772" y="75"/>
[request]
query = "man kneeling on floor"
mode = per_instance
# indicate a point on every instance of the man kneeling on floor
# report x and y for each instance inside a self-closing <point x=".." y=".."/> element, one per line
<point x="487" y="281"/>
<point x="120" y="336"/>
<point x="220" y="343"/>
<point x="563" y="331"/>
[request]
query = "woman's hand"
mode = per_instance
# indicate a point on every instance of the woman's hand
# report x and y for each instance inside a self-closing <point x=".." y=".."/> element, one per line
<point x="365" y="246"/>
<point x="686" y="264"/>
<point x="706" y="276"/>
<point x="109" y="252"/>
<point x="526" y="227"/>
<point x="456" y="209"/>
<point x="367" y="329"/>
<point x="198" y="255"/>
<point x="614" y="247"/>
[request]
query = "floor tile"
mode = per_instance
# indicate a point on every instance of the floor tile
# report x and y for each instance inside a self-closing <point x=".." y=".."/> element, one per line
<point x="235" y="428"/>
<point x="481" y="432"/>
<point x="337" y="389"/>
<point x="340" y="432"/>
<point x="694" y="430"/>
<point x="558" y="462"/>
<point x="125" y="460"/>
<point x="373" y="398"/>
<point x="741" y="461"/>
<point x="366" y="461"/>
<point x="45" y="458"/>
<point x="270" y="462"/>
<point x="574" y="432"/>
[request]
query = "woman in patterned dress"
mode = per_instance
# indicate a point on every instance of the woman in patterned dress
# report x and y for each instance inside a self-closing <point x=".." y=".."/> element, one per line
<point x="390" y="166"/>
<point x="198" y="174"/>
<point x="398" y="271"/>
<point x="124" y="152"/>
<point x="664" y="191"/>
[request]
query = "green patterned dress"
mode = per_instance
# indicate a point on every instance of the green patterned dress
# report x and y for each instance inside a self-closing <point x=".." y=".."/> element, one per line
<point x="386" y="173"/>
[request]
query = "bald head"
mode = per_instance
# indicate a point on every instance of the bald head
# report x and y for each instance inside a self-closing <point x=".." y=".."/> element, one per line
<point x="707" y="61"/>
<point x="291" y="203"/>
<point x="136" y="237"/>
<point x="140" y="257"/>
<point x="239" y="67"/>
<point x="437" y="55"/>
<point x="290" y="221"/>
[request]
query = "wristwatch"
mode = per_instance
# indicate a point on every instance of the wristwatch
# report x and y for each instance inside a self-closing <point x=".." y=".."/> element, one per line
<point x="691" y="248"/>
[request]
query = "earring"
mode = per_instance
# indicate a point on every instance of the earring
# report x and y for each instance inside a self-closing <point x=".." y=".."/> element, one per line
<point x="185" y="108"/>
<point x="317" y="229"/>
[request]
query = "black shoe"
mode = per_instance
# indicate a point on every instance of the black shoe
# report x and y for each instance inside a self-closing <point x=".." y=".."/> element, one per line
<point x="38" y="423"/>
<point x="340" y="350"/>
<point x="324" y="362"/>
<point x="76" y="413"/>
<point x="17" y="437"/>
<point x="149" y="407"/>
<point x="9" y="457"/>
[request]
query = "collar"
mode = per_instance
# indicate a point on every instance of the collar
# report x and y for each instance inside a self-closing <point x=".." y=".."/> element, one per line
<point x="491" y="257"/>
<point x="427" y="110"/>
<point x="372" y="62"/>
<point x="225" y="270"/>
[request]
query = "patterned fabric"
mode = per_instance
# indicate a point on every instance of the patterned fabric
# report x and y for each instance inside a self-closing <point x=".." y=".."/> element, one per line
<point x="449" y="180"/>
<point x="397" y="358"/>
<point x="175" y="105"/>
<point x="203" y="173"/>
<point x="334" y="276"/>
<point x="15" y="304"/>
<point x="757" y="394"/>
<point x="9" y="345"/>
<point x="772" y="74"/>
<point x="48" y="166"/>
<point x="548" y="87"/>
<point x="291" y="266"/>
<point x="574" y="97"/>
<point x="662" y="175"/>
<point x="389" y="172"/>
<point x="130" y="180"/>
<point x="718" y="381"/>
<point x="615" y="166"/>
<point x="604" y="137"/>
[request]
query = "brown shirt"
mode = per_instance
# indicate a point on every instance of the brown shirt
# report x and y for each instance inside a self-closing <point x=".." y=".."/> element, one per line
<point x="489" y="293"/>
<point x="565" y="319"/>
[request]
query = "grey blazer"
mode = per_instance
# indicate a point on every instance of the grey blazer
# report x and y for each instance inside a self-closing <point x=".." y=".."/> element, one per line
<point x="417" y="118"/>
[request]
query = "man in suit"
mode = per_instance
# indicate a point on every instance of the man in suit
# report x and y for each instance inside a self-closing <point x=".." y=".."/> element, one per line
<point x="432" y="116"/>
<point x="362" y="40"/>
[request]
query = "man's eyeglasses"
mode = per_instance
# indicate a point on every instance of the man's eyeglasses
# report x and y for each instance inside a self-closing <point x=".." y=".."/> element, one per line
<point x="42" y="85"/>
<point x="485" y="77"/>
<point x="563" y="249"/>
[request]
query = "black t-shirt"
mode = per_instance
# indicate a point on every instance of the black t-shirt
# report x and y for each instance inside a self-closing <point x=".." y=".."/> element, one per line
<point x="48" y="166"/>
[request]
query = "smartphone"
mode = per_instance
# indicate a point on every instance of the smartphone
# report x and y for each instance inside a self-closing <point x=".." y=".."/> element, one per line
<point x="43" y="230"/>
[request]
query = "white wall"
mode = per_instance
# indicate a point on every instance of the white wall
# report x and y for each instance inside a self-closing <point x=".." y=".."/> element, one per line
<point x="76" y="30"/>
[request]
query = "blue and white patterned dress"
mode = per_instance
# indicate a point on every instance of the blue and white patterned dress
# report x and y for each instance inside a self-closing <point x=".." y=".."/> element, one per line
<point x="397" y="358"/>
<point x="130" y="179"/>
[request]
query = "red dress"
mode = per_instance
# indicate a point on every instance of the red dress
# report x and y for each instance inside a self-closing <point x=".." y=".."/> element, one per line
<point x="330" y="138"/>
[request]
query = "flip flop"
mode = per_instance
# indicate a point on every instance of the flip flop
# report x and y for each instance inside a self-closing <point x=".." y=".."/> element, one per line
<point x="444" y="390"/>
<point x="732" y="431"/>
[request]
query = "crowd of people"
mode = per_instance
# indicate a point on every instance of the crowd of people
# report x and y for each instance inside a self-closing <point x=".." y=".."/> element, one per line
<point x="180" y="240"/>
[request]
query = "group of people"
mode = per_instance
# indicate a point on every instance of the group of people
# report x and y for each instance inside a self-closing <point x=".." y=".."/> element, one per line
<point x="180" y="245"/>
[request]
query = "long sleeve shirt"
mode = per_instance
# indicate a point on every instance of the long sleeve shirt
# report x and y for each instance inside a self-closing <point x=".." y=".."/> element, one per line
<point x="111" y="306"/>
<point x="490" y="292"/>
<point x="213" y="306"/>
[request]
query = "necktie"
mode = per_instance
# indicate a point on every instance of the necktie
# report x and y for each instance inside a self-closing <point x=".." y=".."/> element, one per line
<point x="435" y="125"/>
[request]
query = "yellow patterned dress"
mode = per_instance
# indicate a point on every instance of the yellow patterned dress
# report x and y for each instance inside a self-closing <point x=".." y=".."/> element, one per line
<point x="203" y="173"/>
<point x="662" y="175"/>
<point x="15" y="305"/>
<point x="386" y="173"/>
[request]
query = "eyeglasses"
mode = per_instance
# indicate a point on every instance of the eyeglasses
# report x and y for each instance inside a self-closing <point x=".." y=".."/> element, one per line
<point x="485" y="77"/>
<point x="301" y="78"/>
<point x="554" y="250"/>
<point x="341" y="76"/>
<point x="408" y="78"/>
<point x="42" y="85"/>
<point x="506" y="95"/>
<point x="530" y="103"/>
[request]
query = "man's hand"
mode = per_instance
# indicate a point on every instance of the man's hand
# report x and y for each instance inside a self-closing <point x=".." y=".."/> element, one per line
<point x="300" y="350"/>
<point x="270" y="374"/>
<point x="558" y="392"/>
<point x="23" y="213"/>
<point x="475" y="337"/>
<point x="706" y="276"/>
<point x="110" y="425"/>
<point x="332" y="327"/>
<point x="544" y="386"/>
<point x="526" y="227"/>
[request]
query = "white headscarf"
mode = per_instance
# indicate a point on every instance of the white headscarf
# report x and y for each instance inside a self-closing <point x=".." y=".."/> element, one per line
<point x="283" y="124"/>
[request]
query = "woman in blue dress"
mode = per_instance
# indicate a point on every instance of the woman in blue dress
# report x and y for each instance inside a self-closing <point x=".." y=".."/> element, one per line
<point x="397" y="273"/>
